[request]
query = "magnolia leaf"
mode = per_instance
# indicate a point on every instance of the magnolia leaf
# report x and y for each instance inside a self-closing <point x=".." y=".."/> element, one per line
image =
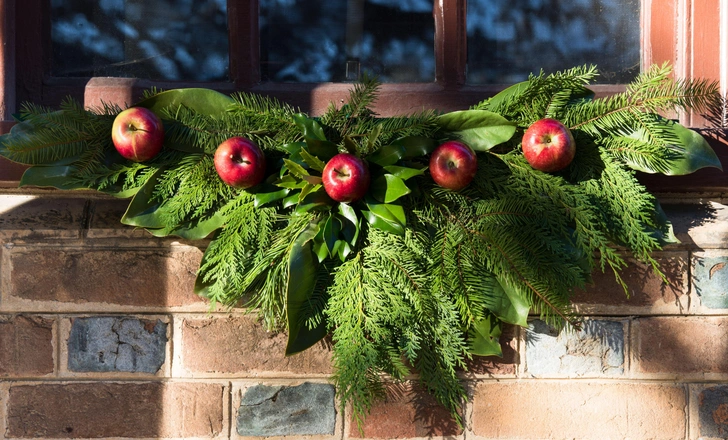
<point x="509" y="305"/>
<point x="312" y="161"/>
<point x="302" y="268"/>
<point x="485" y="337"/>
<point x="145" y="210"/>
<point x="480" y="129"/>
<point x="293" y="147"/>
<point x="48" y="153"/>
<point x="204" y="101"/>
<point x="388" y="188"/>
<point x="313" y="133"/>
<point x="50" y="176"/>
<point x="404" y="173"/>
<point x="194" y="231"/>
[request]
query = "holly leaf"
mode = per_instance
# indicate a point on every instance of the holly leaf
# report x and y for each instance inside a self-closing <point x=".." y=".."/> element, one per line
<point x="312" y="161"/>
<point x="388" y="188"/>
<point x="480" y="129"/>
<point x="404" y="173"/>
<point x="485" y="337"/>
<point x="295" y="169"/>
<point x="302" y="268"/>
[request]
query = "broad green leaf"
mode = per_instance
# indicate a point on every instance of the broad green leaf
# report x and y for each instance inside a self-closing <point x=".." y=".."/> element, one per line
<point x="485" y="337"/>
<point x="268" y="193"/>
<point x="373" y="136"/>
<point x="295" y="169"/>
<point x="408" y="147"/>
<point x="404" y="173"/>
<point x="350" y="146"/>
<point x="385" y="216"/>
<point x="312" y="161"/>
<point x="315" y="201"/>
<point x="144" y="210"/>
<point x="313" y="133"/>
<point x="293" y="148"/>
<point x="380" y="223"/>
<point x="204" y="101"/>
<point x="290" y="182"/>
<point x="387" y="155"/>
<point x="509" y="305"/>
<point x="388" y="188"/>
<point x="350" y="223"/>
<point x="664" y="232"/>
<point x="195" y="231"/>
<point x="302" y="267"/>
<point x="306" y="190"/>
<point x="50" y="176"/>
<point x="480" y="129"/>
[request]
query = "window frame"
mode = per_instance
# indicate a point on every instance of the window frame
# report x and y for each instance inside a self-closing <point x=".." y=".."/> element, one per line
<point x="680" y="32"/>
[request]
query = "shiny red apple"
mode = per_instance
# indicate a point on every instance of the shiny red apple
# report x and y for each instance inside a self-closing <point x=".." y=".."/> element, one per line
<point x="346" y="178"/>
<point x="453" y="165"/>
<point x="548" y="145"/>
<point x="240" y="162"/>
<point x="137" y="134"/>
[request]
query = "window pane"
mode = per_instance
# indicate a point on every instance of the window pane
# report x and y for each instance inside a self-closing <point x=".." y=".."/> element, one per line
<point x="155" y="39"/>
<point x="336" y="40"/>
<point x="508" y="39"/>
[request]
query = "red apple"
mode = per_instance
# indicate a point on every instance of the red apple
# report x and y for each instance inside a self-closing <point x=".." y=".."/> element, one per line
<point x="137" y="134"/>
<point x="346" y="178"/>
<point x="453" y="165"/>
<point x="548" y="145"/>
<point x="240" y="162"/>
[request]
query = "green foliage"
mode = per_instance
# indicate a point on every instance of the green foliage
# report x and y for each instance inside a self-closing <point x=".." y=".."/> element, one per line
<point x="413" y="278"/>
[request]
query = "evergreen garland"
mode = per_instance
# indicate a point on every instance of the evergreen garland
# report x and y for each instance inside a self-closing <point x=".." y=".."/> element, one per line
<point x="413" y="278"/>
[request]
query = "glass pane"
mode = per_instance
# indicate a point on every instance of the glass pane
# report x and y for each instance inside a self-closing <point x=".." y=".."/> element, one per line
<point x="155" y="39"/>
<point x="508" y="39"/>
<point x="337" y="40"/>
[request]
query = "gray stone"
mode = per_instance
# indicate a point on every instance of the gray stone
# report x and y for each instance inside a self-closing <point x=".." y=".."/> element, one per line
<point x="595" y="350"/>
<point x="306" y="409"/>
<point x="713" y="412"/>
<point x="119" y="344"/>
<point x="710" y="279"/>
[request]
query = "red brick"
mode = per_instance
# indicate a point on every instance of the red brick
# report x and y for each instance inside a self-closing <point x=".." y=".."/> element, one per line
<point x="130" y="277"/>
<point x="240" y="345"/>
<point x="105" y="221"/>
<point x="26" y="346"/>
<point x="27" y="217"/>
<point x="546" y="409"/>
<point x="102" y="409"/>
<point x="406" y="412"/>
<point x="646" y="289"/>
<point x="682" y="345"/>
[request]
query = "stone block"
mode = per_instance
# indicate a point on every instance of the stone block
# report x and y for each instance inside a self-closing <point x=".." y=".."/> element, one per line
<point x="306" y="409"/>
<point x="699" y="225"/>
<point x="537" y="409"/>
<point x="26" y="346"/>
<point x="684" y="347"/>
<point x="240" y="345"/>
<point x="595" y="350"/>
<point x="105" y="409"/>
<point x="119" y="344"/>
<point x="710" y="278"/>
<point x="713" y="412"/>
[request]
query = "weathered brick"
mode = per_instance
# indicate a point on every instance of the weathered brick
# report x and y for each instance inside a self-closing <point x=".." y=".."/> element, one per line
<point x="105" y="221"/>
<point x="680" y="346"/>
<point x="240" y="345"/>
<point x="713" y="412"/>
<point x="27" y="217"/>
<point x="123" y="344"/>
<point x="306" y="409"/>
<point x="710" y="278"/>
<point x="103" y="409"/>
<point x="26" y="346"/>
<point x="498" y="366"/>
<point x="647" y="291"/>
<point x="595" y="350"/>
<point x="406" y="412"/>
<point x="547" y="409"/>
<point x="127" y="277"/>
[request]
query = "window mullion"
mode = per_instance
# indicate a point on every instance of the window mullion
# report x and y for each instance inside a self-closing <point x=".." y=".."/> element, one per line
<point x="450" y="42"/>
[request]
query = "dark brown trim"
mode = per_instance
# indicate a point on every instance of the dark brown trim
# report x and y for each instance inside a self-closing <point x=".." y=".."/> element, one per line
<point x="7" y="60"/>
<point x="244" y="42"/>
<point x="450" y="42"/>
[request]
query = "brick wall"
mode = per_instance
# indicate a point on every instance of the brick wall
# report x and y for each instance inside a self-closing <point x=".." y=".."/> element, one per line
<point x="101" y="336"/>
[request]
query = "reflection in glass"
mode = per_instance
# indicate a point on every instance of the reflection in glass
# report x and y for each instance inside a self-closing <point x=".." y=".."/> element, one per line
<point x="337" y="40"/>
<point x="155" y="39"/>
<point x="508" y="39"/>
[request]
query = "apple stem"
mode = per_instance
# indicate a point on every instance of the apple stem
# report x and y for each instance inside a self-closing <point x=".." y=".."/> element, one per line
<point x="238" y="159"/>
<point x="340" y="173"/>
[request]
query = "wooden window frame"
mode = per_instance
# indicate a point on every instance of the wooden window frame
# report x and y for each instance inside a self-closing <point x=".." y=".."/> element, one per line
<point x="685" y="33"/>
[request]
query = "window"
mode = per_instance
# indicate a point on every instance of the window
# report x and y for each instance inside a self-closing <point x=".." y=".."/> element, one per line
<point x="444" y="54"/>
